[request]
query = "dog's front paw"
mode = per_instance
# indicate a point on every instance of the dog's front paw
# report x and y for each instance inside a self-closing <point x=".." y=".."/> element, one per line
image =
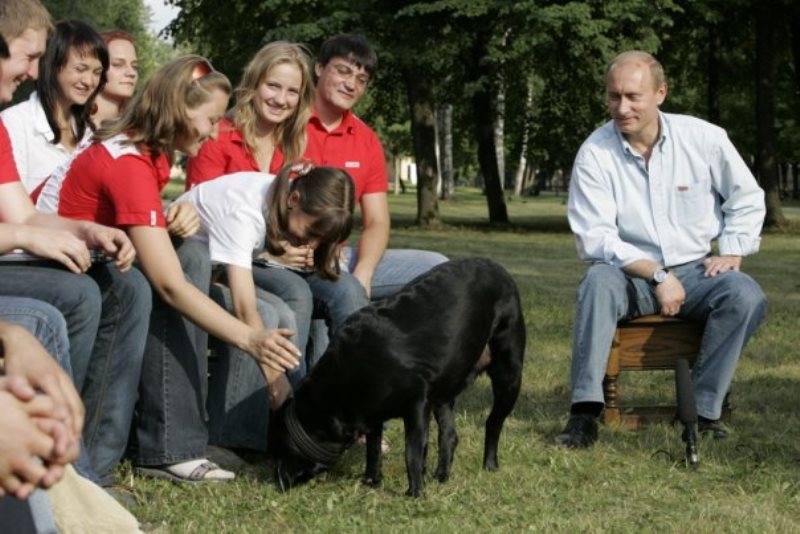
<point x="442" y="475"/>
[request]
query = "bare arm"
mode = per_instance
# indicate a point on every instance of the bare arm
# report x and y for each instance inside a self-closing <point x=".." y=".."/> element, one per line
<point x="54" y="237"/>
<point x="243" y="292"/>
<point x="374" y="237"/>
<point x="162" y="268"/>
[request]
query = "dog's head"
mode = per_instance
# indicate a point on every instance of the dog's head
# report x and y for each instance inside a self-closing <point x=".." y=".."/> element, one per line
<point x="299" y="457"/>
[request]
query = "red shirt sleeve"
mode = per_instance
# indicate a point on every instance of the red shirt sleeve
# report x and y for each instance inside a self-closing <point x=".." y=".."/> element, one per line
<point x="8" y="169"/>
<point x="137" y="198"/>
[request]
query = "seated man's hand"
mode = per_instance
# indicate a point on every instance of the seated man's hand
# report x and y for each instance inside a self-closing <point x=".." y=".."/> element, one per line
<point x="721" y="264"/>
<point x="671" y="295"/>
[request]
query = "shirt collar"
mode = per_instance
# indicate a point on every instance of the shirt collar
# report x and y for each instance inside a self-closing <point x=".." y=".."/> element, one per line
<point x="663" y="132"/>
<point x="346" y="126"/>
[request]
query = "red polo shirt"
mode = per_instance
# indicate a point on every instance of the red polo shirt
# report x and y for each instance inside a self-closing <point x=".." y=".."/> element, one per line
<point x="8" y="169"/>
<point x="115" y="185"/>
<point x="351" y="146"/>
<point x="226" y="154"/>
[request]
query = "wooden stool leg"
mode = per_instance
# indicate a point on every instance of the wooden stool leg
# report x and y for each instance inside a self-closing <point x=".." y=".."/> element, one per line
<point x="611" y="415"/>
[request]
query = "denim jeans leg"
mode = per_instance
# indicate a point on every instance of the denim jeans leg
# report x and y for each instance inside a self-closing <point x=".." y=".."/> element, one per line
<point x="238" y="404"/>
<point x="76" y="296"/>
<point x="732" y="305"/>
<point x="47" y="324"/>
<point x="605" y="296"/>
<point x="170" y="423"/>
<point x="293" y="291"/>
<point x="112" y="379"/>
<point x="398" y="267"/>
<point x="43" y="321"/>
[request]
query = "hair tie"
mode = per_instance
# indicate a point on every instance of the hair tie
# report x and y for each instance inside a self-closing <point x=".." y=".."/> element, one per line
<point x="300" y="169"/>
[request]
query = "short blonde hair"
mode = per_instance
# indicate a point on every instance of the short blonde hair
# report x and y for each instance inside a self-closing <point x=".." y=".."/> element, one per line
<point x="157" y="117"/>
<point x="639" y="56"/>
<point x="17" y="16"/>
<point x="290" y="135"/>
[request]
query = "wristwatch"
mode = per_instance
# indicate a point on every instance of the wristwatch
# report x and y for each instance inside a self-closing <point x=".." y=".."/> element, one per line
<point x="659" y="276"/>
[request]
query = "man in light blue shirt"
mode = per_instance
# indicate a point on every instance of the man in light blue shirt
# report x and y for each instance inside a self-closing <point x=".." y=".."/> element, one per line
<point x="649" y="194"/>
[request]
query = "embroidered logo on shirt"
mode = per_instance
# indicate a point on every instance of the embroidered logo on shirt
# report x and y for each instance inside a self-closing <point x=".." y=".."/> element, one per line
<point x="683" y="188"/>
<point x="352" y="164"/>
<point x="152" y="217"/>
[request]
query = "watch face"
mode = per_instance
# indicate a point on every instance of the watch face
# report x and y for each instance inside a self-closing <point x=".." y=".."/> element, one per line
<point x="660" y="276"/>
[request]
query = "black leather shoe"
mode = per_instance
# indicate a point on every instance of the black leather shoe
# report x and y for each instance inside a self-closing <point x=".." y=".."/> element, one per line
<point x="716" y="428"/>
<point x="580" y="432"/>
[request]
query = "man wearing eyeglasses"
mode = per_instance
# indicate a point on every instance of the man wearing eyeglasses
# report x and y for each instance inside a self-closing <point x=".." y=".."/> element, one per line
<point x="337" y="137"/>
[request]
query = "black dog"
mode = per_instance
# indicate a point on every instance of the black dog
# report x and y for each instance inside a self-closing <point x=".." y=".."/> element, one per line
<point x="407" y="356"/>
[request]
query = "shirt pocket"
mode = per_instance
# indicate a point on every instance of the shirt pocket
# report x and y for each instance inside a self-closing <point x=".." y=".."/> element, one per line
<point x="694" y="202"/>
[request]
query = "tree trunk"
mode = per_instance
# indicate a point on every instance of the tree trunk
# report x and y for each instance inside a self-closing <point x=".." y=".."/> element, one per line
<point x="499" y="131"/>
<point x="444" y="130"/>
<point x="766" y="164"/>
<point x="487" y="155"/>
<point x="522" y="169"/>
<point x="423" y="136"/>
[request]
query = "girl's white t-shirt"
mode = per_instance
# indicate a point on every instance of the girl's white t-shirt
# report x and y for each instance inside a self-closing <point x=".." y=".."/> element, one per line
<point x="232" y="210"/>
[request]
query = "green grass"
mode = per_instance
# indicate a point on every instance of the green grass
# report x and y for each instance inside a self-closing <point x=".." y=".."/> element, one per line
<point x="629" y="482"/>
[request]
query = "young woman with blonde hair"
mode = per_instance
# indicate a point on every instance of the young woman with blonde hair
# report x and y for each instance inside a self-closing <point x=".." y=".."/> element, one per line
<point x="267" y="127"/>
<point x="117" y="180"/>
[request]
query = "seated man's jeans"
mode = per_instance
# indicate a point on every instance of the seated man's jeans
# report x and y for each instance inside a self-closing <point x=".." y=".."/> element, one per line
<point x="731" y="304"/>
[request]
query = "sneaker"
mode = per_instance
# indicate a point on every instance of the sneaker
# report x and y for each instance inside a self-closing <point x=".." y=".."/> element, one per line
<point x="580" y="432"/>
<point x="715" y="427"/>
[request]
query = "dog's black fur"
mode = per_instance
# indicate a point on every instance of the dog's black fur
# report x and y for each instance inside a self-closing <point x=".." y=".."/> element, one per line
<point x="407" y="356"/>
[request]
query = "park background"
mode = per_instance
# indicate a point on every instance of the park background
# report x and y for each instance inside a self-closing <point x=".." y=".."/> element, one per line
<point x="490" y="100"/>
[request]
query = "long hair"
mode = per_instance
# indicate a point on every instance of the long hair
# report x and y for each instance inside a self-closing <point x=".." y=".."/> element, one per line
<point x="290" y="135"/>
<point x="16" y="16"/>
<point x="68" y="35"/>
<point x="328" y="195"/>
<point x="157" y="117"/>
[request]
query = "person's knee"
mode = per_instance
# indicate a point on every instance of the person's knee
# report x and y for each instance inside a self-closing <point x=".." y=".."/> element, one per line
<point x="602" y="277"/>
<point x="747" y="296"/>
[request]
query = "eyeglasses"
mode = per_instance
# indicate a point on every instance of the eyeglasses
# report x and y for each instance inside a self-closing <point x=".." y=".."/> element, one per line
<point x="346" y="72"/>
<point x="202" y="69"/>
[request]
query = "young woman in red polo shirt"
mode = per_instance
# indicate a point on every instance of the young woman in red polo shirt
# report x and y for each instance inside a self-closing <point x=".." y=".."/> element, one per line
<point x="117" y="180"/>
<point x="267" y="128"/>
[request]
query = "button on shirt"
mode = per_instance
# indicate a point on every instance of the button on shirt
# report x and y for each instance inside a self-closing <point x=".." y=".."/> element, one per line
<point x="695" y="188"/>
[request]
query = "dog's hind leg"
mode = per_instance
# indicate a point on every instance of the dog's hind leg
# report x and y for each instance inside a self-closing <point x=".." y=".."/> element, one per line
<point x="425" y="441"/>
<point x="505" y="371"/>
<point x="448" y="440"/>
<point x="414" y="424"/>
<point x="373" y="471"/>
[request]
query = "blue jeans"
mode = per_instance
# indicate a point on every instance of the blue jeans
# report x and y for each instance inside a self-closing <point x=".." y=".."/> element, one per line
<point x="76" y="296"/>
<point x="335" y="301"/>
<point x="293" y="292"/>
<point x="170" y="422"/>
<point x="48" y="326"/>
<point x="107" y="318"/>
<point x="731" y="305"/>
<point x="238" y="406"/>
<point x="111" y="383"/>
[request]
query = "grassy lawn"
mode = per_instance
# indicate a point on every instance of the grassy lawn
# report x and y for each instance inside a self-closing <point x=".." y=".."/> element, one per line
<point x="629" y="482"/>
